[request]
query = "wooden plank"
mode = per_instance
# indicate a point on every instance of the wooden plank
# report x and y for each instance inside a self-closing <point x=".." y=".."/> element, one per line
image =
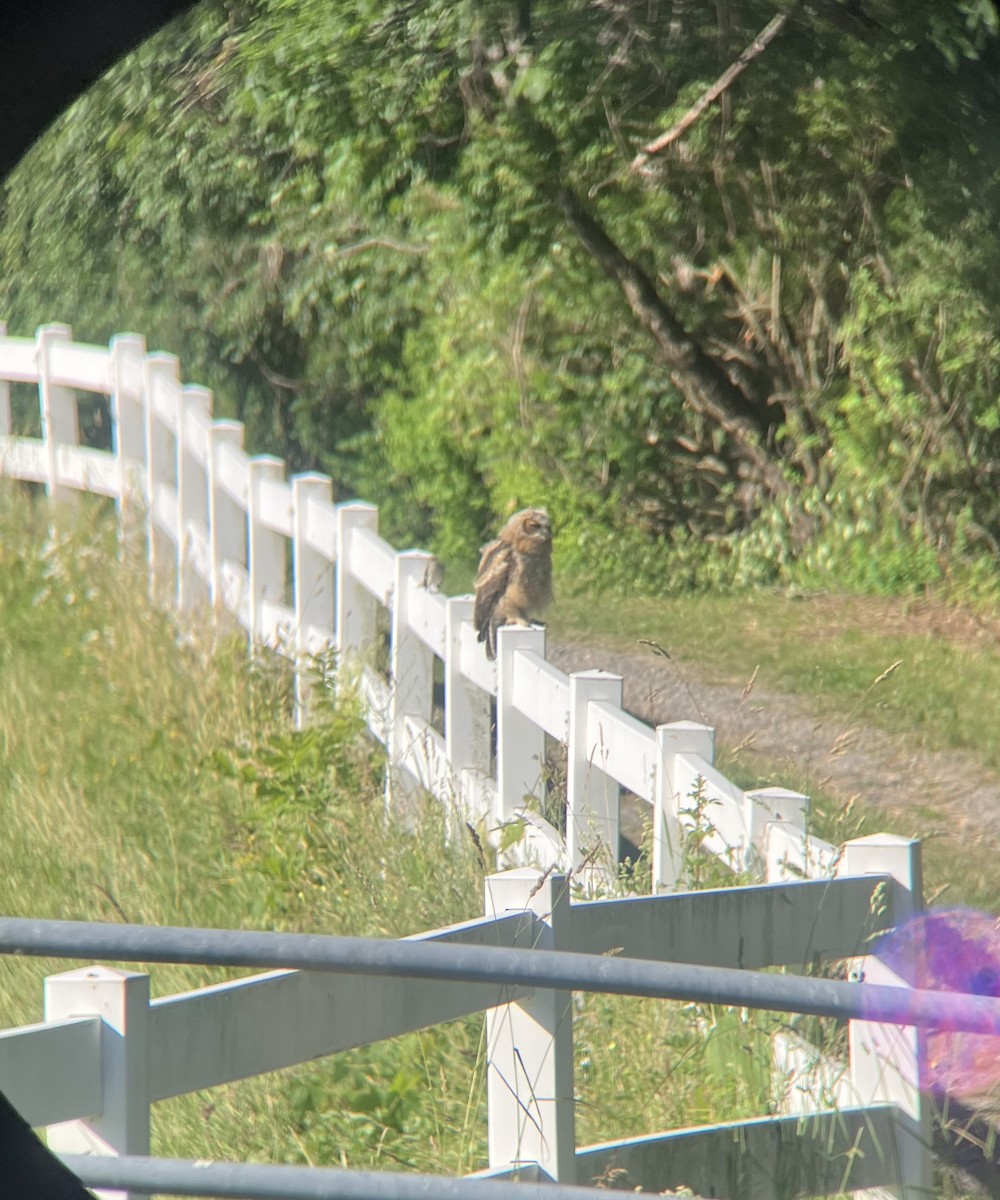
<point x="233" y="472"/>
<point x="24" y="458"/>
<point x="164" y="397"/>
<point x="787" y="924"/>
<point x="541" y="693"/>
<point x="77" y="365"/>
<point x="164" y="508"/>
<point x="19" y="359"/>
<point x="478" y="794"/>
<point x="277" y="621"/>
<point x="373" y="564"/>
<point x="820" y="1154"/>
<point x="425" y="757"/>
<point x="541" y="846"/>
<point x="52" y="1072"/>
<point x="321" y="527"/>
<point x="627" y="747"/>
<point x="88" y="470"/>
<point x="374" y="693"/>
<point x="197" y="424"/>
<point x="427" y="616"/>
<point x="318" y="639"/>
<point x="475" y="666"/>
<point x="723" y="811"/>
<point x="235" y="588"/>
<point x="199" y="551"/>
<point x="791" y="853"/>
<point x="276" y="506"/>
<point x="265" y="1022"/>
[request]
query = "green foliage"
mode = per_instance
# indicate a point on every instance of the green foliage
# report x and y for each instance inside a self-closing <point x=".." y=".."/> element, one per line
<point x="342" y="216"/>
<point x="323" y="849"/>
<point x="103" y="730"/>
<point x="700" y="867"/>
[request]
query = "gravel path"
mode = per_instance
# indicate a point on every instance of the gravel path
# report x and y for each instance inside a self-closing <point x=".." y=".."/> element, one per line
<point x="780" y="738"/>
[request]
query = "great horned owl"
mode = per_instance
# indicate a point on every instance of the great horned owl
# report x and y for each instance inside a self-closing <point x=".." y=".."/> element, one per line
<point x="515" y="575"/>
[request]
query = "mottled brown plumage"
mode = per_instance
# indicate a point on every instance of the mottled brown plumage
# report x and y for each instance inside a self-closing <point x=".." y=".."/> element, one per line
<point x="514" y="577"/>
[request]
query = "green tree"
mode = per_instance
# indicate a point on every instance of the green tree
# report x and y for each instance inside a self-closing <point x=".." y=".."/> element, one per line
<point x="442" y="251"/>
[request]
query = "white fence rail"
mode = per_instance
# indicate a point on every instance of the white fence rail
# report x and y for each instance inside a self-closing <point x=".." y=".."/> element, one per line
<point x="107" y="1052"/>
<point x="304" y="575"/>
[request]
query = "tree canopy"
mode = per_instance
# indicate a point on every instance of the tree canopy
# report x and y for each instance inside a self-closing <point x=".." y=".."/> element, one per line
<point x="715" y="284"/>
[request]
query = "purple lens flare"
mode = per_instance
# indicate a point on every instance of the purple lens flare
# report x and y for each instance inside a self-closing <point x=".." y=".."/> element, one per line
<point x="951" y="950"/>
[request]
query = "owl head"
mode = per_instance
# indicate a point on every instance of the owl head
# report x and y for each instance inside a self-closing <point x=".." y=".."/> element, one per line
<point x="529" y="528"/>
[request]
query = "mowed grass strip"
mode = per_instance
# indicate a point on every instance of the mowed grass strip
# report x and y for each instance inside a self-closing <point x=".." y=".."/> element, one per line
<point x="837" y="651"/>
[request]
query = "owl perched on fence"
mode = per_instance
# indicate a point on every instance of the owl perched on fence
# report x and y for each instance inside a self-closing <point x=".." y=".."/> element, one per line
<point x="515" y="575"/>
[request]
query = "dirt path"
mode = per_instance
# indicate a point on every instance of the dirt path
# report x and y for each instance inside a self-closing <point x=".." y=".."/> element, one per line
<point x="778" y="737"/>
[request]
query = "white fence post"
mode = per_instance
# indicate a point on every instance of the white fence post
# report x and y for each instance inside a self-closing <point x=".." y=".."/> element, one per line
<point x="764" y="806"/>
<point x="466" y="707"/>
<point x="886" y="1060"/>
<point x="530" y="1041"/>
<point x="411" y="665"/>
<point x="60" y="419"/>
<point x="192" y="493"/>
<point x="6" y="427"/>
<point x="356" y="608"/>
<point x="121" y="1000"/>
<point x="162" y="387"/>
<point x="680" y="737"/>
<point x="128" y="354"/>
<point x="312" y="575"/>
<point x="592" y="798"/>
<point x="266" y="565"/>
<point x="520" y="742"/>
<point x="227" y="517"/>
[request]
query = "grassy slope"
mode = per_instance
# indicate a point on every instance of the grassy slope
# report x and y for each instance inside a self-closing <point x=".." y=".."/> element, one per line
<point x="149" y="777"/>
<point x="148" y="774"/>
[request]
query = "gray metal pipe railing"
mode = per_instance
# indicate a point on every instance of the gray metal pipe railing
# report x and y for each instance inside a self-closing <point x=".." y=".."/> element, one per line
<point x="959" y="1012"/>
<point x="253" y="1181"/>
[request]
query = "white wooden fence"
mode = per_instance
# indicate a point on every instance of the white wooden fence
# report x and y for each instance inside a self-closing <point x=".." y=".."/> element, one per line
<point x="302" y="575"/>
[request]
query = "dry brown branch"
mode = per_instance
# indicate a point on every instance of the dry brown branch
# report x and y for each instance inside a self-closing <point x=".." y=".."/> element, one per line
<point x="747" y="420"/>
<point x="708" y="97"/>
<point x="385" y="243"/>
<point x="274" y="378"/>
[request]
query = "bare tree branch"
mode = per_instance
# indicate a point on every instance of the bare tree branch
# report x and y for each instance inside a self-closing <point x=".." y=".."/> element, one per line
<point x="731" y="73"/>
<point x="746" y="420"/>
<point x="335" y="252"/>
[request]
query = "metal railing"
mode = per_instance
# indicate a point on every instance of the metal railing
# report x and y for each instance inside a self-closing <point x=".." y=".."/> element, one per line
<point x="884" y="1143"/>
<point x="952" y="1011"/>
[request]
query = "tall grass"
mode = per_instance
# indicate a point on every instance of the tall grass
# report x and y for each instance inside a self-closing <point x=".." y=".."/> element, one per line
<point x="148" y="773"/>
